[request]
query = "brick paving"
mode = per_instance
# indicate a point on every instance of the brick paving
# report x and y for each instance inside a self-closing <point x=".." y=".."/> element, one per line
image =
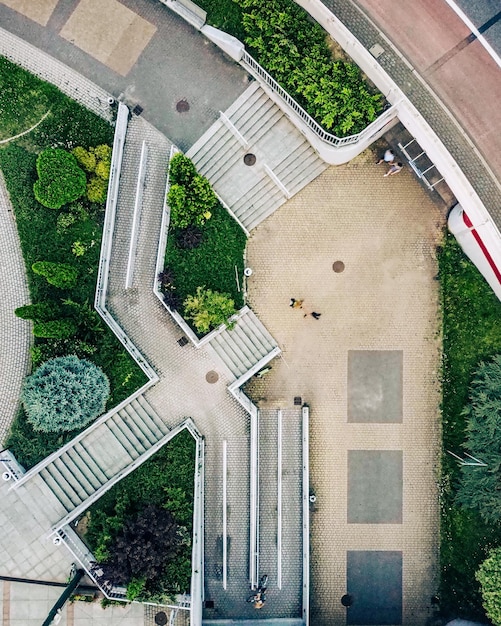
<point x="15" y="334"/>
<point x="385" y="231"/>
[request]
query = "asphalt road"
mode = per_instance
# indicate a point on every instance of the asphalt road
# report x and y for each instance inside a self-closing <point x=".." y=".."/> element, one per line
<point x="485" y="16"/>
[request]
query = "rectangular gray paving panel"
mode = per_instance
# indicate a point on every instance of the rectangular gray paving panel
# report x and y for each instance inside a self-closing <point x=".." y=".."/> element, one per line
<point x="374" y="584"/>
<point x="375" y="386"/>
<point x="375" y="486"/>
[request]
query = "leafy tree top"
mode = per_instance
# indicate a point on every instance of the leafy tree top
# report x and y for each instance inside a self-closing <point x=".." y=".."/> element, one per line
<point x="64" y="393"/>
<point x="208" y="309"/>
<point x="60" y="178"/>
<point x="489" y="577"/>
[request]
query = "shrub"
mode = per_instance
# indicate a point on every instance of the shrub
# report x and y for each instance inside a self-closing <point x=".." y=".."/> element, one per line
<point x="188" y="238"/>
<point x="42" y="311"/>
<point x="85" y="158"/>
<point x="97" y="190"/>
<point x="64" y="393"/>
<point x="489" y="577"/>
<point x="103" y="170"/>
<point x="55" y="329"/>
<point x="190" y="198"/>
<point x="181" y="170"/>
<point x="60" y="179"/>
<point x="57" y="274"/>
<point x="103" y="153"/>
<point x="293" y="49"/>
<point x="142" y="547"/>
<point x="208" y="309"/>
<point x="479" y="486"/>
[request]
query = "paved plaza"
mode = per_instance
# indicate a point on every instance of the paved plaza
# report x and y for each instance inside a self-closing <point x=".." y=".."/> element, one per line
<point x="385" y="231"/>
<point x="359" y="248"/>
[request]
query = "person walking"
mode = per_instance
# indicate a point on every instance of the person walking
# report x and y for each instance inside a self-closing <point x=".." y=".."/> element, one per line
<point x="388" y="157"/>
<point x="296" y="304"/>
<point x="394" y="169"/>
<point x="313" y="314"/>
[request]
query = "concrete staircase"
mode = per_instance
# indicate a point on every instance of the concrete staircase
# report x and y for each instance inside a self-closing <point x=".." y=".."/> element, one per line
<point x="285" y="161"/>
<point x="247" y="347"/>
<point x="95" y="460"/>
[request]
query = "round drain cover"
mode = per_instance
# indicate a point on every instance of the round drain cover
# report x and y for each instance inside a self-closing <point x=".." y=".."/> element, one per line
<point x="161" y="619"/>
<point x="250" y="159"/>
<point x="338" y="267"/>
<point x="212" y="377"/>
<point x="347" y="600"/>
<point x="182" y="106"/>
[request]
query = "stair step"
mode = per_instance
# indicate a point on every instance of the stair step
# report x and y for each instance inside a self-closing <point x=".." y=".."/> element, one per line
<point x="73" y="476"/>
<point x="122" y="438"/>
<point x="149" y="417"/>
<point x="60" y="488"/>
<point x="124" y="425"/>
<point x="72" y="459"/>
<point x="142" y="427"/>
<point x="89" y="461"/>
<point x="231" y="358"/>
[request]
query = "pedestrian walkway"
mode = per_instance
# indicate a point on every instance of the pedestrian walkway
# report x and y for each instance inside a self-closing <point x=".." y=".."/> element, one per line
<point x="366" y="262"/>
<point x="15" y="334"/>
<point x="175" y="65"/>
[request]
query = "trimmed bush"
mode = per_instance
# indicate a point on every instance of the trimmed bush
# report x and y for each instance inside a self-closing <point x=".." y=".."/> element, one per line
<point x="97" y="190"/>
<point x="208" y="309"/>
<point x="489" y="577"/>
<point x="65" y="393"/>
<point x="60" y="178"/>
<point x="181" y="170"/>
<point x="55" y="329"/>
<point x="190" y="198"/>
<point x="85" y="158"/>
<point x="57" y="274"/>
<point x="42" y="311"/>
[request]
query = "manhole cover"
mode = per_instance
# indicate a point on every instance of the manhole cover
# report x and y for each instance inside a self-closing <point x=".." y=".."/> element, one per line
<point x="250" y="159"/>
<point x="182" y="106"/>
<point x="161" y="619"/>
<point x="347" y="600"/>
<point x="212" y="377"/>
<point x="338" y="267"/>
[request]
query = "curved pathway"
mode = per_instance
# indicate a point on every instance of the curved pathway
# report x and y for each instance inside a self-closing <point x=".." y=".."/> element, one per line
<point x="15" y="333"/>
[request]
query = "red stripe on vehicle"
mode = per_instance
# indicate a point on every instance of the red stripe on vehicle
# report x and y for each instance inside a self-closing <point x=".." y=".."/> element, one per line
<point x="482" y="246"/>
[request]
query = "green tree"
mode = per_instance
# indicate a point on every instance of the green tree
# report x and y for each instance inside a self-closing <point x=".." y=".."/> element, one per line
<point x="208" y="309"/>
<point x="97" y="190"/>
<point x="60" y="178"/>
<point x="64" y="393"/>
<point x="143" y="547"/>
<point x="479" y="486"/>
<point x="58" y="274"/>
<point x="489" y="577"/>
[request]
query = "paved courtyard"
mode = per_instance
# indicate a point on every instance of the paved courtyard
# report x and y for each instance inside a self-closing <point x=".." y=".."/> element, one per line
<point x="385" y="232"/>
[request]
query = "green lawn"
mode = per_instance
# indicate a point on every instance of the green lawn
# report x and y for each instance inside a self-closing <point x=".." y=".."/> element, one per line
<point x="42" y="238"/>
<point x="471" y="333"/>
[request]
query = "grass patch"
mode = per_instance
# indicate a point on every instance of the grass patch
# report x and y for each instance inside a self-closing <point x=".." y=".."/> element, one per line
<point x="165" y="480"/>
<point x="43" y="237"/>
<point x="471" y="333"/>
<point x="212" y="264"/>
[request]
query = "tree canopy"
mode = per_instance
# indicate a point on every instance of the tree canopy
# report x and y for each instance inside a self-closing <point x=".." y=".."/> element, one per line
<point x="489" y="577"/>
<point x="480" y="487"/>
<point x="64" y="393"/>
